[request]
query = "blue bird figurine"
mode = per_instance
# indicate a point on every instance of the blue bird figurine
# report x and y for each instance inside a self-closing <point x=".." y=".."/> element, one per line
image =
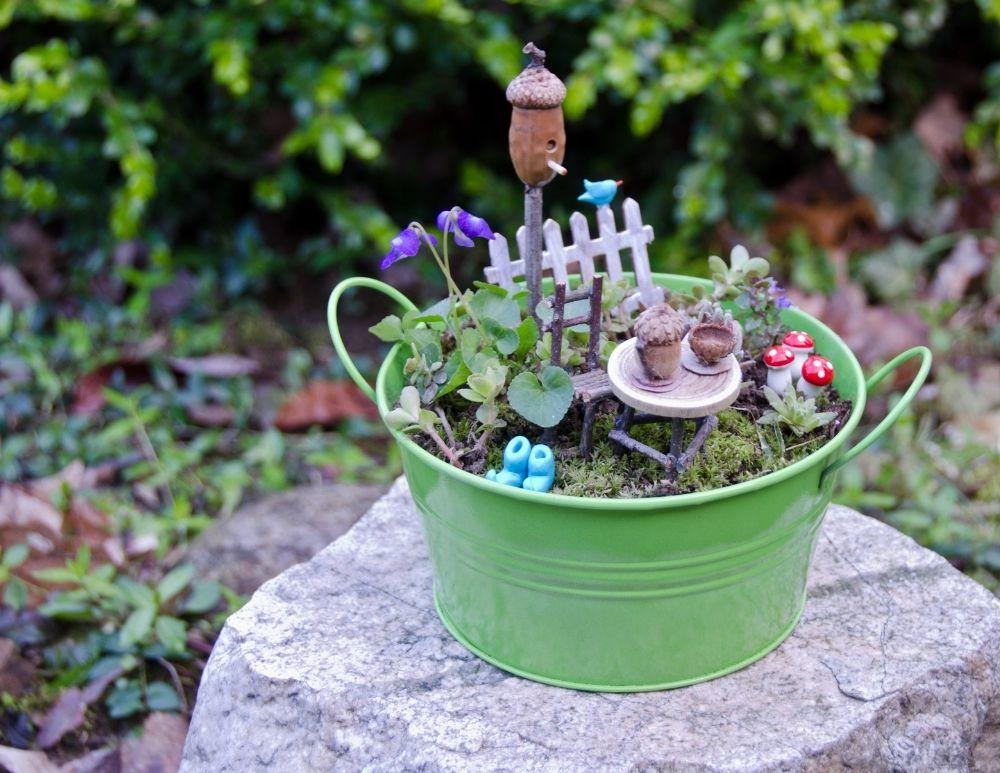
<point x="599" y="193"/>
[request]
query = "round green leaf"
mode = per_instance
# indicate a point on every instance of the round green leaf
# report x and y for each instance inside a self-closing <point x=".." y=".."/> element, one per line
<point x="542" y="401"/>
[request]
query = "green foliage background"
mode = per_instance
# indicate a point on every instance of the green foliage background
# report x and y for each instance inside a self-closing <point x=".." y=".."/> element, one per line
<point x="261" y="136"/>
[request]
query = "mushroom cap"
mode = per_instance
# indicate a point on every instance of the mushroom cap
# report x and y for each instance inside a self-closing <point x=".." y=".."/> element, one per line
<point x="798" y="340"/>
<point x="778" y="356"/>
<point x="817" y="370"/>
<point x="659" y="325"/>
<point x="535" y="88"/>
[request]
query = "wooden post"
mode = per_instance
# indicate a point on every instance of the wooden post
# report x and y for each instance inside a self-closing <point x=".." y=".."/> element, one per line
<point x="596" y="290"/>
<point x="556" y="326"/>
<point x="533" y="246"/>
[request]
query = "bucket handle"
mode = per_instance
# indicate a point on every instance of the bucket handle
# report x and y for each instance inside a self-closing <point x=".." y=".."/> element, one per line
<point x="925" y="365"/>
<point x="331" y="317"/>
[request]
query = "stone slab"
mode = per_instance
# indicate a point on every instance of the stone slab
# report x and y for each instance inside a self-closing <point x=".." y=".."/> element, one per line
<point x="265" y="537"/>
<point x="342" y="664"/>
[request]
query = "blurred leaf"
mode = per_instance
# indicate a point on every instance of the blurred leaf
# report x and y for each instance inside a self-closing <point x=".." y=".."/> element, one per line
<point x="899" y="181"/>
<point x="125" y="700"/>
<point x="160" y="696"/>
<point x="215" y="365"/>
<point x="137" y="626"/>
<point x="204" y="596"/>
<point x="172" y="634"/>
<point x="174" y="582"/>
<point x="323" y="403"/>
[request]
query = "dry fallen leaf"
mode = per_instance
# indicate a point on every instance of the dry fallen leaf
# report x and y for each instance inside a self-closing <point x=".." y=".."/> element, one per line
<point x="940" y="126"/>
<point x="98" y="761"/>
<point x="827" y="222"/>
<point x="88" y="394"/>
<point x="38" y="251"/>
<point x="215" y="365"/>
<point x="964" y="264"/>
<point x="874" y="333"/>
<point x="16" y="672"/>
<point x="15" y="289"/>
<point x="28" y="516"/>
<point x="211" y="415"/>
<point x="67" y="713"/>
<point x="22" y="761"/>
<point x="323" y="403"/>
<point x="159" y="748"/>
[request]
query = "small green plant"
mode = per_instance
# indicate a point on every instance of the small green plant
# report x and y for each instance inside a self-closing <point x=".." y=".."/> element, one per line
<point x="732" y="280"/>
<point x="470" y="343"/>
<point x="757" y="297"/>
<point x="128" y="631"/>
<point x="15" y="592"/>
<point x="542" y="399"/>
<point x="409" y="416"/>
<point x="794" y="411"/>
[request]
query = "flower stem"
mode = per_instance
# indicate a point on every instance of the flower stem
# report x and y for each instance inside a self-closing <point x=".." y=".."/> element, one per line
<point x="445" y="449"/>
<point x="444" y="423"/>
<point x="452" y="287"/>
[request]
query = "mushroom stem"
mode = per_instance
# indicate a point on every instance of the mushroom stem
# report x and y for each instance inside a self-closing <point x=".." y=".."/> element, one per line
<point x="557" y="168"/>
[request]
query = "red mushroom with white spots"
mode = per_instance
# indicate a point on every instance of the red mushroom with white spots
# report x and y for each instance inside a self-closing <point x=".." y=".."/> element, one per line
<point x="817" y="374"/>
<point x="779" y="361"/>
<point x="801" y="345"/>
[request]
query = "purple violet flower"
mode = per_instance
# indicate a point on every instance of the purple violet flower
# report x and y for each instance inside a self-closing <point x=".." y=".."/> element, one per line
<point x="469" y="226"/>
<point x="405" y="245"/>
<point x="777" y="293"/>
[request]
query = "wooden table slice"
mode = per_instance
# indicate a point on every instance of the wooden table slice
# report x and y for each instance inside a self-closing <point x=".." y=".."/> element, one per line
<point x="686" y="395"/>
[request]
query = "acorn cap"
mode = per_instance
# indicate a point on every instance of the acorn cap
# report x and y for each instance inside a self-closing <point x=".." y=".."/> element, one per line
<point x="659" y="325"/>
<point x="535" y="88"/>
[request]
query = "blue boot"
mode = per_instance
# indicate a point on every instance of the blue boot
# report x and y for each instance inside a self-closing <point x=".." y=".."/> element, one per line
<point x="541" y="469"/>
<point x="515" y="463"/>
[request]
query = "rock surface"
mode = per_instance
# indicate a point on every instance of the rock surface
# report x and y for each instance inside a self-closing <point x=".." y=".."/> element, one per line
<point x="341" y="663"/>
<point x="264" y="538"/>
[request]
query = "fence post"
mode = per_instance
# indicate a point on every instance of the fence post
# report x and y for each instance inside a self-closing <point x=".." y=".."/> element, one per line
<point x="637" y="235"/>
<point x="502" y="273"/>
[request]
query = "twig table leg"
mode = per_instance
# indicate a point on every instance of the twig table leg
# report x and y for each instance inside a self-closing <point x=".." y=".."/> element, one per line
<point x="706" y="425"/>
<point x="587" y="431"/>
<point x="676" y="436"/>
<point x="673" y="462"/>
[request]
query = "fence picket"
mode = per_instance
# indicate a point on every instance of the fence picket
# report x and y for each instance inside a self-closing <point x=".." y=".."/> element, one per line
<point x="638" y="236"/>
<point x="555" y="252"/>
<point x="609" y="242"/>
<point x="586" y="251"/>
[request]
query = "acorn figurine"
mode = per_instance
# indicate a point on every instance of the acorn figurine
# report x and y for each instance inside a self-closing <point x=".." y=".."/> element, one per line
<point x="537" y="133"/>
<point x="537" y="142"/>
<point x="658" y="331"/>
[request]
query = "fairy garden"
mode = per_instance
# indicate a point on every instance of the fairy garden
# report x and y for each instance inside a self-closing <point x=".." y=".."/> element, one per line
<point x="587" y="380"/>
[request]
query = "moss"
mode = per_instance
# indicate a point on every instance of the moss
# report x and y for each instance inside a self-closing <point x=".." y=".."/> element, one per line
<point x="737" y="450"/>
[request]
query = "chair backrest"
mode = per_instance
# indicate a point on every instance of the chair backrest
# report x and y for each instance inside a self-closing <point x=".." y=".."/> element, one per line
<point x="558" y="323"/>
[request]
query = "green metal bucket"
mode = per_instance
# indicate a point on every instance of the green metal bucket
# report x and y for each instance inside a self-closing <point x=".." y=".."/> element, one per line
<point x="626" y="595"/>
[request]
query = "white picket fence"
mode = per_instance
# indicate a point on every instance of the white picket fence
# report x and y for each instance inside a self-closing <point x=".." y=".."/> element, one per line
<point x="559" y="258"/>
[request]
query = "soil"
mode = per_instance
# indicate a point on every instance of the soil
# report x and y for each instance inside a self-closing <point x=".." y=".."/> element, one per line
<point x="737" y="450"/>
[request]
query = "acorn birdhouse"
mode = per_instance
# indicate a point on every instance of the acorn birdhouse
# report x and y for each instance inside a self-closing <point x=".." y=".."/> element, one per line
<point x="537" y="133"/>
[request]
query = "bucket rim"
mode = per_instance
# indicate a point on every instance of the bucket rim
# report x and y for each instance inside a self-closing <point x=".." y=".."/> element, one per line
<point x="826" y="452"/>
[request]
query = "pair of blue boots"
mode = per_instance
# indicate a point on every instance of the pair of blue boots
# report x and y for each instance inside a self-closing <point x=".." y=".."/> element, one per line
<point x="526" y="466"/>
